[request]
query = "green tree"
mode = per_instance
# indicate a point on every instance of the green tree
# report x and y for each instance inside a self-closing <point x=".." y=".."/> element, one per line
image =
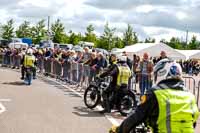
<point x="163" y="41"/>
<point x="89" y="35"/>
<point x="194" y="44"/>
<point x="24" y="30"/>
<point x="129" y="36"/>
<point x="74" y="38"/>
<point x="106" y="41"/>
<point x="150" y="40"/>
<point x="175" y="43"/>
<point x="39" y="32"/>
<point x="118" y="42"/>
<point x="58" y="31"/>
<point x="7" y="30"/>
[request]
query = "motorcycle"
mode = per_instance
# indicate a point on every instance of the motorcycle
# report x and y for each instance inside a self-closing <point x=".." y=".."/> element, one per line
<point x="28" y="77"/>
<point x="93" y="96"/>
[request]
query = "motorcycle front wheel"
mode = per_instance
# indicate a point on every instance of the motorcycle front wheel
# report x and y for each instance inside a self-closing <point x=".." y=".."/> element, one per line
<point x="127" y="103"/>
<point x="92" y="97"/>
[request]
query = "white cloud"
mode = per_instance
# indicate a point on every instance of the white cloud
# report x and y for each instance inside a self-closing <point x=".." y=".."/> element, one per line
<point x="149" y="18"/>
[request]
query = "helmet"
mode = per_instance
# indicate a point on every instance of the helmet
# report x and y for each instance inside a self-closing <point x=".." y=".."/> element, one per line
<point x="30" y="51"/>
<point x="167" y="69"/>
<point x="122" y="58"/>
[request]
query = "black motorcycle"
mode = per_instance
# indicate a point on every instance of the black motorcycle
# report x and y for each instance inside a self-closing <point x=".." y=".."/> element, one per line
<point x="93" y="96"/>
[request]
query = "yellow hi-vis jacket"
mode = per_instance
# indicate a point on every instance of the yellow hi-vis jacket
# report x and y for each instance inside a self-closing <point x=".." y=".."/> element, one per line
<point x="123" y="75"/>
<point x="29" y="61"/>
<point x="177" y="111"/>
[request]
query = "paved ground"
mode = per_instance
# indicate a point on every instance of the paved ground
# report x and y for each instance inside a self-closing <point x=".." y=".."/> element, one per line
<point x="45" y="107"/>
<point x="48" y="107"/>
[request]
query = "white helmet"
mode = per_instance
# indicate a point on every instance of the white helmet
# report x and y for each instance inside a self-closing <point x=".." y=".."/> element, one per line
<point x="30" y="51"/>
<point x="122" y="58"/>
<point x="167" y="69"/>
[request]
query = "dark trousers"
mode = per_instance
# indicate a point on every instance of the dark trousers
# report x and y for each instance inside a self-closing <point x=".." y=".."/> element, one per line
<point x="22" y="71"/>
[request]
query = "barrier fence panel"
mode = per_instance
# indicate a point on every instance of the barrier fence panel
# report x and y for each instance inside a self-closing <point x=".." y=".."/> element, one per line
<point x="58" y="69"/>
<point x="40" y="64"/>
<point x="198" y="91"/>
<point x="1" y="58"/>
<point x="140" y="83"/>
<point x="47" y="66"/>
<point x="190" y="84"/>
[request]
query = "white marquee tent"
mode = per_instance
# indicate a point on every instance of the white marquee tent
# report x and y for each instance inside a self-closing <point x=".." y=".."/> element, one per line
<point x="190" y="54"/>
<point x="153" y="49"/>
<point x="196" y="56"/>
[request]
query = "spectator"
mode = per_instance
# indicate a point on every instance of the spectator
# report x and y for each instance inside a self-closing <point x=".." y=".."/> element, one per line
<point x="163" y="55"/>
<point x="145" y="77"/>
<point x="129" y="62"/>
<point x="92" y="62"/>
<point x="101" y="63"/>
<point x="73" y="65"/>
<point x="66" y="66"/>
<point x="86" y="54"/>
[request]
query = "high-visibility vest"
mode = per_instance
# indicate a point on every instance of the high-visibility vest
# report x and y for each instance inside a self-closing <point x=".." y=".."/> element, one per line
<point x="29" y="61"/>
<point x="177" y="111"/>
<point x="123" y="75"/>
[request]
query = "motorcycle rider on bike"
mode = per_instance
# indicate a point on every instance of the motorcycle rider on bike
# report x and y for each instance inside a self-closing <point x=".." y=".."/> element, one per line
<point x="120" y="73"/>
<point x="168" y="107"/>
<point x="29" y="61"/>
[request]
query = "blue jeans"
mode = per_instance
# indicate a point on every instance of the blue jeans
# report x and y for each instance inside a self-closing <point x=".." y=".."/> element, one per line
<point x="145" y="84"/>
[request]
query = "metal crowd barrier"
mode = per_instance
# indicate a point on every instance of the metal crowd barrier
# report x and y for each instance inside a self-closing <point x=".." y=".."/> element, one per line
<point x="139" y="82"/>
<point x="74" y="73"/>
<point x="1" y="58"/>
<point x="198" y="91"/>
<point x="190" y="83"/>
<point x="10" y="60"/>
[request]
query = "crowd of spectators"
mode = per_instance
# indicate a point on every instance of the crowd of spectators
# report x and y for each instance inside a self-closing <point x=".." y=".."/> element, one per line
<point x="142" y="67"/>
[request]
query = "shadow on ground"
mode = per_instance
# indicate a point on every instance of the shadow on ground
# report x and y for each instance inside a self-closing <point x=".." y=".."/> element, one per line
<point x="16" y="83"/>
<point x="85" y="112"/>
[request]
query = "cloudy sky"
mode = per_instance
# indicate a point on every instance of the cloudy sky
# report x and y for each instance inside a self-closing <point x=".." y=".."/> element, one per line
<point x="150" y="18"/>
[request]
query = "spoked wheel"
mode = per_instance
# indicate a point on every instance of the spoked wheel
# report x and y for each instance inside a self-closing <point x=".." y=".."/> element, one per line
<point x="127" y="104"/>
<point x="91" y="97"/>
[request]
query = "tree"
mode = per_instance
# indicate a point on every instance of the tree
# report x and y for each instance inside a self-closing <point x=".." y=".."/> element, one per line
<point x="74" y="38"/>
<point x="193" y="43"/>
<point x="58" y="31"/>
<point x="150" y="40"/>
<point x="39" y="32"/>
<point x="118" y="42"/>
<point x="175" y="43"/>
<point x="129" y="36"/>
<point x="24" y="30"/>
<point x="163" y="41"/>
<point x="106" y="40"/>
<point x="8" y="30"/>
<point x="89" y="35"/>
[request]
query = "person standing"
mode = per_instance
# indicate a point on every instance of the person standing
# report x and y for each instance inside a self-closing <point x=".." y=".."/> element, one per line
<point x="29" y="63"/>
<point x="145" y="74"/>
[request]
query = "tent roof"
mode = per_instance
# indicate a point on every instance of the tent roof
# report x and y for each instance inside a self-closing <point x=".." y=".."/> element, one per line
<point x="190" y="54"/>
<point x="196" y="56"/>
<point x="153" y="49"/>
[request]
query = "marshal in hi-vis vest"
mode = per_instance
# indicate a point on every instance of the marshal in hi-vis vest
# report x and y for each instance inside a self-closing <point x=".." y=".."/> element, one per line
<point x="177" y="111"/>
<point x="124" y="75"/>
<point x="29" y="61"/>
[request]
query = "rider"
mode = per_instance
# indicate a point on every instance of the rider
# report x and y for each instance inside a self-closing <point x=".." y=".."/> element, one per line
<point x="29" y="60"/>
<point x="166" y="108"/>
<point x="120" y="73"/>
